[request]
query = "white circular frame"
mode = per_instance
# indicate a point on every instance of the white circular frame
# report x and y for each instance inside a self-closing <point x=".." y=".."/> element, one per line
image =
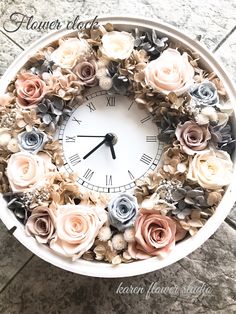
<point x="182" y="249"/>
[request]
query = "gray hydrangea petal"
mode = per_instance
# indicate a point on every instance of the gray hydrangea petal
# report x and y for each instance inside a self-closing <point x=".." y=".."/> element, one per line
<point x="47" y="119"/>
<point x="42" y="107"/>
<point x="177" y="195"/>
<point x="184" y="213"/>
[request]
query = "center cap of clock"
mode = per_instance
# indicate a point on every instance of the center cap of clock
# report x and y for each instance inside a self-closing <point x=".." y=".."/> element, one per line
<point x="111" y="138"/>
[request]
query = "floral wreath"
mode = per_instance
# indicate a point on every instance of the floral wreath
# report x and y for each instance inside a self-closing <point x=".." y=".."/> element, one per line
<point x="189" y="104"/>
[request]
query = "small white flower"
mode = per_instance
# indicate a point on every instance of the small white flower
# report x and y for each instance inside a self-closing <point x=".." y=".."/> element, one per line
<point x="118" y="242"/>
<point x="105" y="83"/>
<point x="117" y="45"/>
<point x="104" y="233"/>
<point x="129" y="235"/>
<point x="5" y="137"/>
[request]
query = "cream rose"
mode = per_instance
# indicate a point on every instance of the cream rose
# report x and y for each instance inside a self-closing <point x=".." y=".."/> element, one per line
<point x="171" y="72"/>
<point x="70" y="52"/>
<point x="30" y="90"/>
<point x="212" y="169"/>
<point x="26" y="171"/>
<point x="117" y="45"/>
<point x="76" y="229"/>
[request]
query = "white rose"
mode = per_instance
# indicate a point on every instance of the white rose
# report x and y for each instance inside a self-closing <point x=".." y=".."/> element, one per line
<point x="171" y="72"/>
<point x="117" y="45"/>
<point x="76" y="229"/>
<point x="212" y="169"/>
<point x="70" y="52"/>
<point x="26" y="171"/>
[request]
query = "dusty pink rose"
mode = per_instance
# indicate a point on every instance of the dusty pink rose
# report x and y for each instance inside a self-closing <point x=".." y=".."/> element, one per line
<point x="26" y="171"/>
<point x="154" y="235"/>
<point x="40" y="224"/>
<point x="86" y="72"/>
<point x="192" y="137"/>
<point x="171" y="72"/>
<point x="30" y="90"/>
<point x="76" y="229"/>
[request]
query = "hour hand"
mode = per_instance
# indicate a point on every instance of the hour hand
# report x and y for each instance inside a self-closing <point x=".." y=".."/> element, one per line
<point x="112" y="150"/>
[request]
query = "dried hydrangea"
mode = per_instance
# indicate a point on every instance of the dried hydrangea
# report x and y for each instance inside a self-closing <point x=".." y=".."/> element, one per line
<point x="150" y="42"/>
<point x="52" y="110"/>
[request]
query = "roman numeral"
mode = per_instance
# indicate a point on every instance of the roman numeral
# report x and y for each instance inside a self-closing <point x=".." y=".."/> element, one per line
<point x="146" y="159"/>
<point x="111" y="101"/>
<point x="88" y="174"/>
<point x="76" y="120"/>
<point x="91" y="107"/>
<point x="130" y="175"/>
<point x="151" y="138"/>
<point x="108" y="180"/>
<point x="74" y="159"/>
<point x="145" y="119"/>
<point x="70" y="139"/>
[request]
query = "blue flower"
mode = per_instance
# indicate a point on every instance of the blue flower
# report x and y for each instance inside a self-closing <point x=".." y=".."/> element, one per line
<point x="32" y="141"/>
<point x="204" y="94"/>
<point x="122" y="211"/>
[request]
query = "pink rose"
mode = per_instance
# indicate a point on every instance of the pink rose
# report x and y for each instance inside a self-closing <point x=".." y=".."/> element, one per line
<point x="86" y="72"/>
<point x="171" y="72"/>
<point x="192" y="137"/>
<point x="30" y="90"/>
<point x="40" y="224"/>
<point x="76" y="229"/>
<point x="26" y="171"/>
<point x="154" y="235"/>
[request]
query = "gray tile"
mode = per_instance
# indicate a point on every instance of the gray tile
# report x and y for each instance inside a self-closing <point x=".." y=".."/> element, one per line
<point x="8" y="52"/>
<point x="12" y="256"/>
<point x="227" y="55"/>
<point x="210" y="19"/>
<point x="43" y="288"/>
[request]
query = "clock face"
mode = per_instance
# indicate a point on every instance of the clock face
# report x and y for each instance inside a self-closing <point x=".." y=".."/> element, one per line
<point x="116" y="121"/>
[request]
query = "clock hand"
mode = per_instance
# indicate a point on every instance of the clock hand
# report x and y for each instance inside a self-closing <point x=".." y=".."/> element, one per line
<point x="95" y="148"/>
<point x="107" y="140"/>
<point x="90" y="136"/>
<point x="112" y="150"/>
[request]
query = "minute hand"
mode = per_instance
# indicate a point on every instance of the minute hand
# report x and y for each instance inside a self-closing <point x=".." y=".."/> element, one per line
<point x="90" y="136"/>
<point x="95" y="148"/>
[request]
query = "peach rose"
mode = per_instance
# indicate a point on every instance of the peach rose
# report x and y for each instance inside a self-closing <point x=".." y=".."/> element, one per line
<point x="212" y="169"/>
<point x="192" y="137"/>
<point x="76" y="229"/>
<point x="154" y="235"/>
<point x="171" y="72"/>
<point x="40" y="224"/>
<point x="117" y="45"/>
<point x="30" y="90"/>
<point x="71" y="51"/>
<point x="26" y="171"/>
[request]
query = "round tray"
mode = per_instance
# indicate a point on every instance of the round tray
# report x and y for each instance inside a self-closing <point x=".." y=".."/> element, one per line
<point x="182" y="249"/>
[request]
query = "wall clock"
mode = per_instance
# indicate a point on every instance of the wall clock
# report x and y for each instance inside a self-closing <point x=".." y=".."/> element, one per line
<point x="110" y="142"/>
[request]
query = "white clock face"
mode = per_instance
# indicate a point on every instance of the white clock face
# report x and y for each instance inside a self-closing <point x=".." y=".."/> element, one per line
<point x="136" y="147"/>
